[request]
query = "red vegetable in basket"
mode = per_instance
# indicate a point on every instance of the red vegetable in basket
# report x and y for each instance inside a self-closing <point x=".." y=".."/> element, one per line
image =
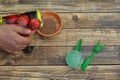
<point x="11" y="19"/>
<point x="34" y="24"/>
<point x="23" y="20"/>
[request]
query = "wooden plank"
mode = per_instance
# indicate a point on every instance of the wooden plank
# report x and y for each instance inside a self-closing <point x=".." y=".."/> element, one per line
<point x="56" y="56"/>
<point x="108" y="72"/>
<point x="61" y="5"/>
<point x="21" y="78"/>
<point x="69" y="37"/>
<point x="89" y="20"/>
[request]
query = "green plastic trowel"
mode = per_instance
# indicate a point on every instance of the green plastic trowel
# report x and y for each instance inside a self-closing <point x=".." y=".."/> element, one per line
<point x="75" y="59"/>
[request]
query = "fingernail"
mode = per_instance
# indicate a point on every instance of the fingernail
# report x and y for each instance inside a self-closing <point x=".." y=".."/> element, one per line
<point x="28" y="31"/>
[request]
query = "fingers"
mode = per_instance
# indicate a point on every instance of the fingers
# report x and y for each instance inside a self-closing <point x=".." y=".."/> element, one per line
<point x="22" y="31"/>
<point x="12" y="39"/>
<point x="33" y="31"/>
<point x="18" y="29"/>
<point x="23" y="40"/>
<point x="18" y="48"/>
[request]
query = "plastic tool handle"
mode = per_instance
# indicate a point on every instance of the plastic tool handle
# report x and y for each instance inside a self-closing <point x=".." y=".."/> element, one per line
<point x="78" y="46"/>
<point x="87" y="61"/>
<point x="96" y="50"/>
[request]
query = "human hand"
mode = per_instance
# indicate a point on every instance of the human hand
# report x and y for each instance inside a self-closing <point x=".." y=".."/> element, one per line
<point x="14" y="38"/>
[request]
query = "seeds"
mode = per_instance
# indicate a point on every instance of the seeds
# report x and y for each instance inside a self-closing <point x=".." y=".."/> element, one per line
<point x="49" y="26"/>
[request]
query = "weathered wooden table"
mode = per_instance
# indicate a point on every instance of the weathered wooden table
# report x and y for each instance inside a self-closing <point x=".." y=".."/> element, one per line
<point x="91" y="20"/>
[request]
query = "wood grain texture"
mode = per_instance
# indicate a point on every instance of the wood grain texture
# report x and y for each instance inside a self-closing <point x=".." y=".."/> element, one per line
<point x="61" y="5"/>
<point x="69" y="37"/>
<point x="109" y="72"/>
<point x="91" y="20"/>
<point x="56" y="56"/>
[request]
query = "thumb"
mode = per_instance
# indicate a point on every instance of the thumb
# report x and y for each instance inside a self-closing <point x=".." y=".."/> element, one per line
<point x="32" y="32"/>
<point x="26" y="32"/>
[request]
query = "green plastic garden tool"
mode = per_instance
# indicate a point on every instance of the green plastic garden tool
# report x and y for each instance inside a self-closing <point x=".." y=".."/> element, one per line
<point x="75" y="59"/>
<point x="96" y="50"/>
